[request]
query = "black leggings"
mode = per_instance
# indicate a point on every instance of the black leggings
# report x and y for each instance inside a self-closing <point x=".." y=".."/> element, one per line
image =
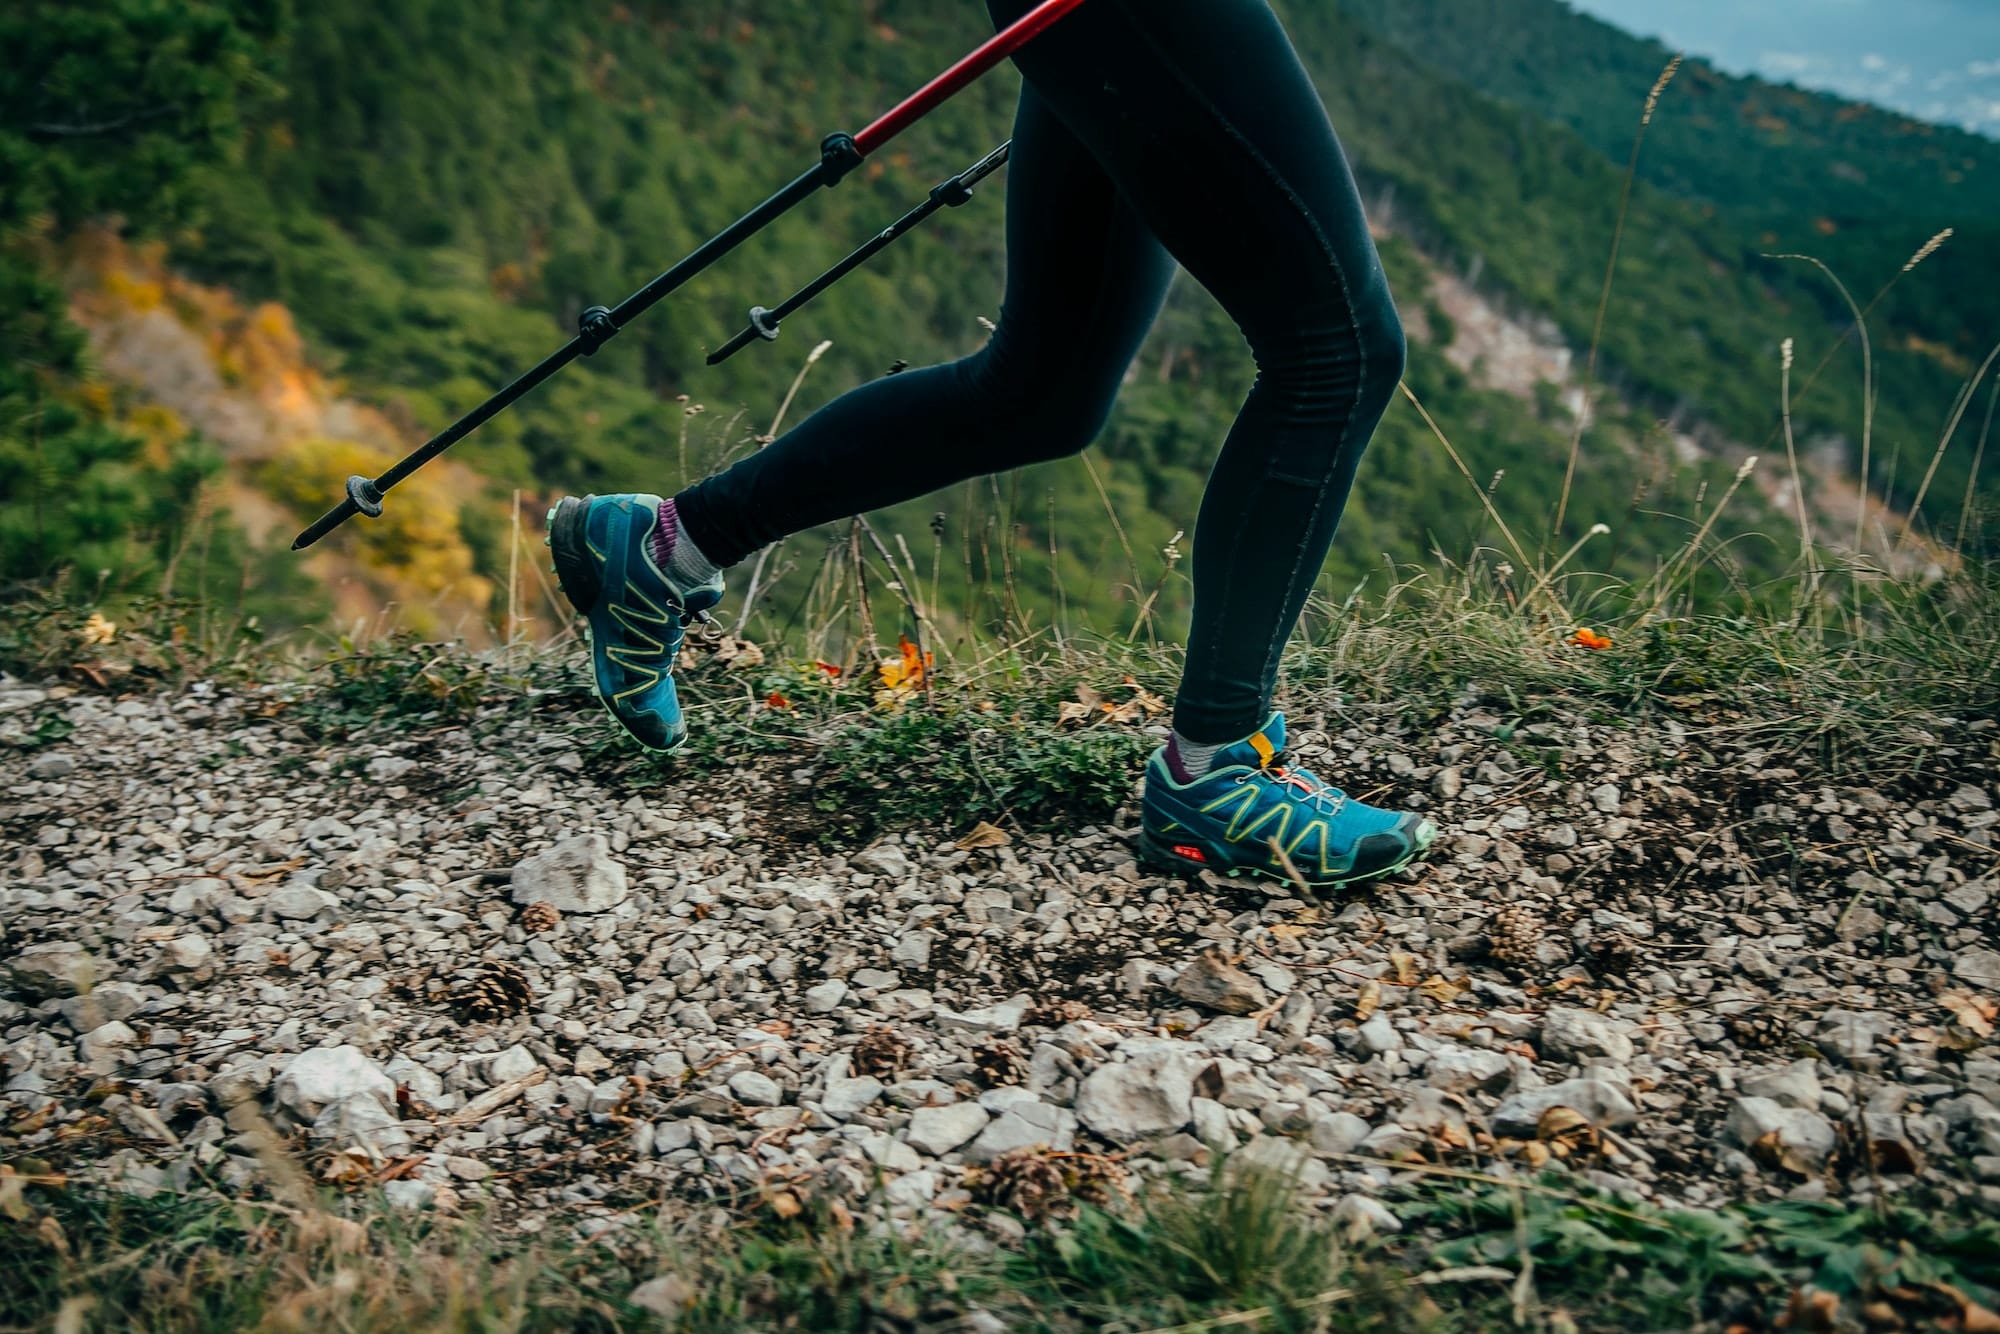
<point x="1150" y="132"/>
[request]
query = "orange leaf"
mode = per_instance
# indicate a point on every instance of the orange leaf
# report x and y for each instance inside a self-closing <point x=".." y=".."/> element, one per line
<point x="1590" y="639"/>
<point x="906" y="671"/>
<point x="827" y="667"/>
<point x="777" y="701"/>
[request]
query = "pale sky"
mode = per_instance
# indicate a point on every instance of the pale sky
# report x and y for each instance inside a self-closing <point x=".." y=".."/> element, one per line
<point x="1938" y="60"/>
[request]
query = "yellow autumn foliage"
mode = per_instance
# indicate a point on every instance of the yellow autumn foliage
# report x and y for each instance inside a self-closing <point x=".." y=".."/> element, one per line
<point x="138" y="293"/>
<point x="416" y="543"/>
<point x="262" y="347"/>
<point x="161" y="428"/>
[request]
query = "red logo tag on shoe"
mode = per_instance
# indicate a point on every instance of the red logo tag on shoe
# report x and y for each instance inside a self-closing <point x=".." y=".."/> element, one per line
<point x="1192" y="854"/>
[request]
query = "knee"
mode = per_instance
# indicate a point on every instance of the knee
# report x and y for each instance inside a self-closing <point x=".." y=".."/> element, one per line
<point x="1385" y="354"/>
<point x="1068" y="420"/>
<point x="1339" y="362"/>
<point x="1045" y="410"/>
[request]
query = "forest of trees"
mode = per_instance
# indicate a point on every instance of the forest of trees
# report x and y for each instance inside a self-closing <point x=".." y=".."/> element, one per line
<point x="434" y="189"/>
<point x="1773" y="169"/>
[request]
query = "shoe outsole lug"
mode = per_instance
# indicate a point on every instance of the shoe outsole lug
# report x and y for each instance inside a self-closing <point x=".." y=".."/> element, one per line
<point x="1177" y="866"/>
<point x="572" y="564"/>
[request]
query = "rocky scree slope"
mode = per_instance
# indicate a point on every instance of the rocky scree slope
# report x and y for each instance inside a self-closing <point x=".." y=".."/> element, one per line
<point x="477" y="963"/>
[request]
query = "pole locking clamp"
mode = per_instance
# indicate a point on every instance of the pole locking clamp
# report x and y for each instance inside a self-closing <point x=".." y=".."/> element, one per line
<point x="595" y="328"/>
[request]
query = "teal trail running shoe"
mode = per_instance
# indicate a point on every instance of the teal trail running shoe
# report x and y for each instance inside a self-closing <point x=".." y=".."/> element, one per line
<point x="1234" y="817"/>
<point x="637" y="615"/>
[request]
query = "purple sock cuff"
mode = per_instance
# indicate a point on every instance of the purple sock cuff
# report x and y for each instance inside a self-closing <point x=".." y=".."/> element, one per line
<point x="1175" y="766"/>
<point x="666" y="534"/>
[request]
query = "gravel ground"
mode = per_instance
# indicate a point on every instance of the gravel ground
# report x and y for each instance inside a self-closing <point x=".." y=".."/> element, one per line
<point x="462" y="962"/>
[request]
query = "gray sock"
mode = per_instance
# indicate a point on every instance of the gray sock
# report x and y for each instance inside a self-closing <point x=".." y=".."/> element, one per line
<point x="677" y="555"/>
<point x="1189" y="760"/>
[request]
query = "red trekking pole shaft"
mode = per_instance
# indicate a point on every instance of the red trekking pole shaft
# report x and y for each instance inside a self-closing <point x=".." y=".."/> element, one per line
<point x="967" y="71"/>
<point x="839" y="155"/>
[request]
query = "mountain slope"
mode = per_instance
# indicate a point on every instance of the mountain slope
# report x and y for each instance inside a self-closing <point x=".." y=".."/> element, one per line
<point x="433" y="191"/>
<point x="1778" y="169"/>
<point x="589" y="160"/>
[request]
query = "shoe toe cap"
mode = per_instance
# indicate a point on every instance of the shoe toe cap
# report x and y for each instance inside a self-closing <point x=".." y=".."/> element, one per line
<point x="652" y="731"/>
<point x="1379" y="852"/>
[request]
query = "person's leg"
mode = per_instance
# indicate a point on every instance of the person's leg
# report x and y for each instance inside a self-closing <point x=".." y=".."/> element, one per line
<point x="1085" y="281"/>
<point x="1203" y="115"/>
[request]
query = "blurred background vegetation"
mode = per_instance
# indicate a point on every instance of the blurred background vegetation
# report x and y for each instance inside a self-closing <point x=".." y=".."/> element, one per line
<point x="247" y="246"/>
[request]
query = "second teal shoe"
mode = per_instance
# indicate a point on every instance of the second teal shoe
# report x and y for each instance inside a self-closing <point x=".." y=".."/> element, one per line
<point x="637" y="615"/>
<point x="1235" y="818"/>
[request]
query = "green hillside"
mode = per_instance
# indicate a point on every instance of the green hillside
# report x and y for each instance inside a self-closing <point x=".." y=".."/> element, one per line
<point x="1780" y="169"/>
<point x="435" y="189"/>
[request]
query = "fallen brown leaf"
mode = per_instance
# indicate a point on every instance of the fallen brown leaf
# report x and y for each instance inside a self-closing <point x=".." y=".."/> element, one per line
<point x="1405" y="966"/>
<point x="1813" y="1312"/>
<point x="1972" y="1317"/>
<point x="984" y="835"/>
<point x="1974" y="1012"/>
<point x="1368" y="1002"/>
<point x="1146" y="699"/>
<point x="34" y="1120"/>
<point x="398" y="1168"/>
<point x="13" y="1203"/>
<point x="1562" y="1123"/>
<point x="1128" y="712"/>
<point x="1443" y="990"/>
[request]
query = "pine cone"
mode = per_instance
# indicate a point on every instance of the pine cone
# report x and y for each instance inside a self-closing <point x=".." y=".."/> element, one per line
<point x="882" y="1052"/>
<point x="1760" y="1031"/>
<point x="1096" y="1179"/>
<point x="1025" y="1182"/>
<point x="1512" y="934"/>
<point x="498" y="990"/>
<point x="539" y="916"/>
<point x="1000" y="1063"/>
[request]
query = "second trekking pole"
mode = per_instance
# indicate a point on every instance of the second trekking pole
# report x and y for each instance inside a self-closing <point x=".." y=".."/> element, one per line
<point x="840" y="154"/>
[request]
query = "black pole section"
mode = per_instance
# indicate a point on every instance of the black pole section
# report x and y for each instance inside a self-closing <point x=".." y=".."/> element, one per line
<point x="598" y="326"/>
<point x="946" y="194"/>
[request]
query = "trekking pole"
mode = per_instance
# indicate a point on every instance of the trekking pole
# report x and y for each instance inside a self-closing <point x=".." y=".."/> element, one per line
<point x="946" y="194"/>
<point x="839" y="154"/>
